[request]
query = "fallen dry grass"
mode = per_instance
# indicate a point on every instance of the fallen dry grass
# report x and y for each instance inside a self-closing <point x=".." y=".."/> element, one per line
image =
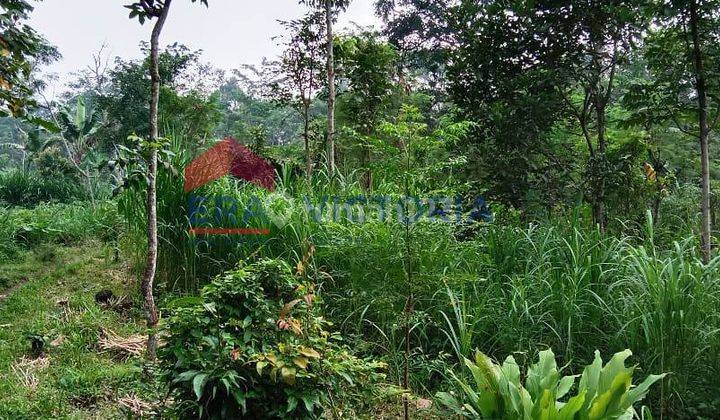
<point x="124" y="347"/>
<point x="26" y="370"/>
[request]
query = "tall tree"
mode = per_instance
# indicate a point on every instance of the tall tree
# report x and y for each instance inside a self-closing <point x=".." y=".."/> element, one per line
<point x="683" y="58"/>
<point x="703" y="128"/>
<point x="298" y="73"/>
<point x="77" y="128"/>
<point x="367" y="66"/>
<point x="596" y="37"/>
<point x="331" y="8"/>
<point x="148" y="10"/>
<point x="126" y="89"/>
<point x="515" y="55"/>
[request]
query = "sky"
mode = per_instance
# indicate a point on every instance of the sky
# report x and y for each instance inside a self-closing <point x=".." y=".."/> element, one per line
<point x="230" y="32"/>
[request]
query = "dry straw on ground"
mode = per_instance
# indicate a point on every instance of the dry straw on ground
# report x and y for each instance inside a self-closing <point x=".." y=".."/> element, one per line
<point x="137" y="407"/>
<point x="133" y="346"/>
<point x="26" y="370"/>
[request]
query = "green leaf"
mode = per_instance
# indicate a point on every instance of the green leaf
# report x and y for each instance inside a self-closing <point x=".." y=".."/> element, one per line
<point x="199" y="383"/>
<point x="260" y="366"/>
<point x="310" y="402"/>
<point x="186" y="376"/>
<point x="288" y="374"/>
<point x="565" y="385"/>
<point x="609" y="401"/>
<point x="292" y="403"/>
<point x="573" y="406"/>
<point x="638" y="393"/>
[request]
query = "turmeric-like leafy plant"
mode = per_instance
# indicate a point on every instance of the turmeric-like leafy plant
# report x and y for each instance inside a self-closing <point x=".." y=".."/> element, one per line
<point x="604" y="392"/>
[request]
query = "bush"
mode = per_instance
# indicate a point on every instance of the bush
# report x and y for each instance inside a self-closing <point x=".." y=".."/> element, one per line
<point x="254" y="344"/>
<point x="51" y="163"/>
<point x="28" y="189"/>
<point x="604" y="392"/>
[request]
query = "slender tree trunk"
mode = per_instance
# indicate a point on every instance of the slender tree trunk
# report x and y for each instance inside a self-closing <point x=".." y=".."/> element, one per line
<point x="365" y="159"/>
<point x="331" y="90"/>
<point x="409" y="303"/>
<point x="149" y="276"/>
<point x="368" y="175"/>
<point x="306" y="137"/>
<point x="705" y="230"/>
<point x="599" y="203"/>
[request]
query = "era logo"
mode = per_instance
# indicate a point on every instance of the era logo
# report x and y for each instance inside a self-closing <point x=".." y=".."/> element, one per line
<point x="227" y="157"/>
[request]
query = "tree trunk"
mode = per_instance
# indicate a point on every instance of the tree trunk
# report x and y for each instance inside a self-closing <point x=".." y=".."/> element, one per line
<point x="306" y="137"/>
<point x="705" y="230"/>
<point x="149" y="276"/>
<point x="599" y="201"/>
<point x="368" y="175"/>
<point x="331" y="91"/>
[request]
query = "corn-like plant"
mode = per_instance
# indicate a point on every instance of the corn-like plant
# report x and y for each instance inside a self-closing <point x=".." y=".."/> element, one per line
<point x="604" y="392"/>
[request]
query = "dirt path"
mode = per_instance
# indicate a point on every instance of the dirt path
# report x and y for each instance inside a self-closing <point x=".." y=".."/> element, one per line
<point x="10" y="290"/>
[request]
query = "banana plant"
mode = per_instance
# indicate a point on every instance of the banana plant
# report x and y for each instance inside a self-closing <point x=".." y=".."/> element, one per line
<point x="603" y="392"/>
<point x="77" y="128"/>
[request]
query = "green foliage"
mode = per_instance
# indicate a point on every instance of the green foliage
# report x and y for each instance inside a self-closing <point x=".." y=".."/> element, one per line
<point x="51" y="163"/>
<point x="28" y="189"/>
<point x="406" y="145"/>
<point x="181" y="107"/>
<point x="604" y="392"/>
<point x="148" y="9"/>
<point x="78" y="125"/>
<point x="254" y="344"/>
<point x="55" y="223"/>
<point x="518" y="288"/>
<point x="241" y="112"/>
<point x="367" y="65"/>
<point x="21" y="48"/>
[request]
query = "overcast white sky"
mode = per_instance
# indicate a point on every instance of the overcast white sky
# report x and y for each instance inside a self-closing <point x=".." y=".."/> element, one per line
<point x="230" y="32"/>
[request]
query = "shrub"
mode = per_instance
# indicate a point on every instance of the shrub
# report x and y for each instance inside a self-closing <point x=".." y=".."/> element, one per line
<point x="604" y="392"/>
<point x="51" y="163"/>
<point x="254" y="344"/>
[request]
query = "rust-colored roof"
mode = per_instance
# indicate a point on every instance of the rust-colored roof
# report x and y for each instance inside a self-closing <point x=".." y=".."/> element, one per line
<point x="229" y="157"/>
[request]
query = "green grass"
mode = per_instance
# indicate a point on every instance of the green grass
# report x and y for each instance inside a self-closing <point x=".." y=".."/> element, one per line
<point x="22" y="229"/>
<point x="79" y="381"/>
<point x="20" y="188"/>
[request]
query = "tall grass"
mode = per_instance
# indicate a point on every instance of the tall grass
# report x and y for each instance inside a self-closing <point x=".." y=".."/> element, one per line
<point x="519" y="290"/>
<point x="22" y="229"/>
<point x="23" y="188"/>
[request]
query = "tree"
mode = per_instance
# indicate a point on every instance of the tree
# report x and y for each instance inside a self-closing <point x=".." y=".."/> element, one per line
<point x="21" y="49"/>
<point x="511" y="59"/>
<point x="683" y="60"/>
<point x="299" y="71"/>
<point x="367" y="65"/>
<point x="331" y="8"/>
<point x="28" y="140"/>
<point x="124" y="97"/>
<point x="147" y="10"/>
<point x="596" y="38"/>
<point x="241" y="112"/>
<point x="510" y="96"/>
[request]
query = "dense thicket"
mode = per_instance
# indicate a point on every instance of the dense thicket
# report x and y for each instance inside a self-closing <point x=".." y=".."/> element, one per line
<point x="588" y="127"/>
